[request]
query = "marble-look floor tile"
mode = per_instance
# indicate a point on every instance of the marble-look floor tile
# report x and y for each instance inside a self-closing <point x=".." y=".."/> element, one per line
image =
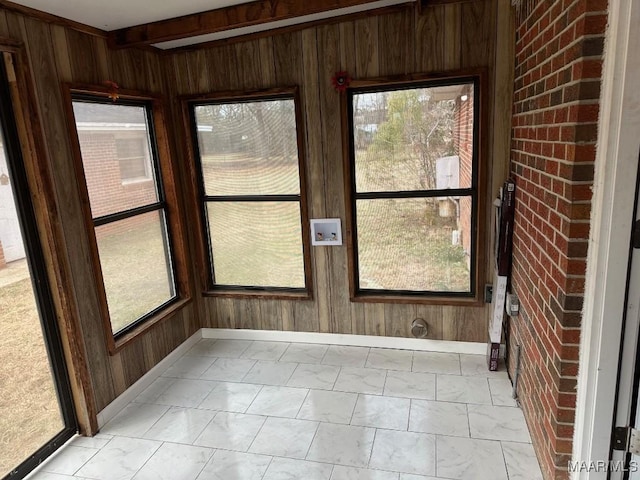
<point x="265" y="350"/>
<point x="289" y="469"/>
<point x="410" y="476"/>
<point x="502" y="392"/>
<point x="498" y="423"/>
<point x="175" y="462"/>
<point x="304" y="353"/>
<point x="352" y="473"/>
<point x="229" y="348"/>
<point x="228" y="369"/>
<point x="476" y="365"/>
<point x="69" y="460"/>
<point x="456" y="388"/>
<point x="97" y="441"/>
<point x="120" y="459"/>
<point x="226" y="465"/>
<point x="345" y="356"/>
<point x="265" y="372"/>
<point x="284" y="437"/>
<point x="42" y="475"/>
<point x="342" y="445"/>
<point x="231" y="431"/>
<point x="436" y="362"/>
<point x="153" y="391"/>
<point x="410" y="385"/>
<point x="325" y="406"/>
<point x="134" y="419"/>
<point x="189" y="367"/>
<point x="444" y="418"/>
<point x="180" y="425"/>
<point x="314" y="376"/>
<point x="390" y="359"/>
<point x="186" y="393"/>
<point x="381" y="412"/>
<point x="231" y="397"/>
<point x="203" y="348"/>
<point x="521" y="461"/>
<point x="278" y="401"/>
<point x="404" y="452"/>
<point x="361" y="380"/>
<point x="470" y="459"/>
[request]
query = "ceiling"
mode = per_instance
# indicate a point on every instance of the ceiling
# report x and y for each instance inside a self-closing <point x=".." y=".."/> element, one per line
<point x="110" y="15"/>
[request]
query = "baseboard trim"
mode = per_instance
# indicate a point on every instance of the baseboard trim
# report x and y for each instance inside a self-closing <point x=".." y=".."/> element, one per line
<point x="400" y="343"/>
<point x="147" y="379"/>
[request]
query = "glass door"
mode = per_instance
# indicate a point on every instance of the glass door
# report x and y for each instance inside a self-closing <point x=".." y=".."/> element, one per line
<point x="36" y="413"/>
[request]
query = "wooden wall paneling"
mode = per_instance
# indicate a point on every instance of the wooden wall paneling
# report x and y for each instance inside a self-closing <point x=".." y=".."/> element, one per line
<point x="397" y="33"/>
<point x="433" y="315"/>
<point x="4" y="24"/>
<point x="287" y="312"/>
<point x="154" y="72"/>
<point x="247" y="313"/>
<point x="224" y="313"/>
<point x="287" y="59"/>
<point x="116" y="369"/>
<point x="199" y="72"/>
<point x="267" y="63"/>
<point x="367" y="62"/>
<point x="429" y="39"/>
<point x="247" y="62"/>
<point x="461" y="324"/>
<point x="398" y="318"/>
<point x="63" y="60"/>
<point x="314" y="316"/>
<point x="102" y="58"/>
<point x="83" y="58"/>
<point x="374" y="319"/>
<point x="270" y="315"/>
<point x="182" y="71"/>
<point x="357" y="318"/>
<point x="218" y="67"/>
<point x="40" y="50"/>
<point x="478" y="33"/>
<point x="338" y="288"/>
<point x="348" y="46"/>
<point x="452" y="36"/>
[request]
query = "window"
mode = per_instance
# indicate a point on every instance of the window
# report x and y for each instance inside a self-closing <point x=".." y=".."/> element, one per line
<point x="249" y="166"/>
<point x="414" y="187"/>
<point x="117" y="142"/>
<point x="133" y="157"/>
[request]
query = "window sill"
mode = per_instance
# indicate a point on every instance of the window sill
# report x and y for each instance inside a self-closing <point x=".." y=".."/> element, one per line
<point x="258" y="294"/>
<point x="453" y="301"/>
<point x="121" y="342"/>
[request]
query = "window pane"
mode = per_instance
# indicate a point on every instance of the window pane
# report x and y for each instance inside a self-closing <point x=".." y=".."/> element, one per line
<point x="249" y="148"/>
<point x="414" y="244"/>
<point x="137" y="275"/>
<point x="413" y="139"/>
<point x="114" y="142"/>
<point x="257" y="243"/>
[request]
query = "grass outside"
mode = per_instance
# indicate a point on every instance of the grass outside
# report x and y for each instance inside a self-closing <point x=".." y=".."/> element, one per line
<point x="29" y="412"/>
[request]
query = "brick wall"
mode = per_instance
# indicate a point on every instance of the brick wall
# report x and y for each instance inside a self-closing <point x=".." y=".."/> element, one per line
<point x="107" y="192"/>
<point x="464" y="149"/>
<point x="559" y="47"/>
<point x="3" y="262"/>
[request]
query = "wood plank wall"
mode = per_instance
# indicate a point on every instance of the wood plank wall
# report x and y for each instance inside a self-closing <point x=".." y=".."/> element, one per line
<point x="58" y="54"/>
<point x="442" y="38"/>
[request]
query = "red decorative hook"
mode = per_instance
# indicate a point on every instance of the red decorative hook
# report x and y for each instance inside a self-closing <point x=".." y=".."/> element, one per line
<point x="341" y="81"/>
<point x="113" y="89"/>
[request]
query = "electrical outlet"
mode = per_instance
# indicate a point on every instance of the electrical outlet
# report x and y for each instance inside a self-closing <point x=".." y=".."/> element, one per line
<point x="488" y="293"/>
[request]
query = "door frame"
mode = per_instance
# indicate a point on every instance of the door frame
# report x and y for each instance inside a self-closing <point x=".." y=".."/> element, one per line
<point x="39" y="278"/>
<point x="611" y="222"/>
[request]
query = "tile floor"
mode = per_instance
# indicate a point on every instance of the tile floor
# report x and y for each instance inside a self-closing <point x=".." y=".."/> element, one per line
<point x="244" y="410"/>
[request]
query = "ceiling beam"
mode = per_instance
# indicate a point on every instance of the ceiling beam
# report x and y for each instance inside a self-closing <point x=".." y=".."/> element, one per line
<point x="237" y="16"/>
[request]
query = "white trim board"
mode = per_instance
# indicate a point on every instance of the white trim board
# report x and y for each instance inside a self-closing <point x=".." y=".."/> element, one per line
<point x="111" y="410"/>
<point x="400" y="343"/>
